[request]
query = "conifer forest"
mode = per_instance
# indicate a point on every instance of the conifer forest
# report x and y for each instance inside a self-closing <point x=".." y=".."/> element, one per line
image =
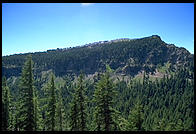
<point x="97" y="87"/>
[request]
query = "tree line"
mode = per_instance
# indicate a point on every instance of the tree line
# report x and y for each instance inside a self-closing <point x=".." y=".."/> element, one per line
<point x="103" y="105"/>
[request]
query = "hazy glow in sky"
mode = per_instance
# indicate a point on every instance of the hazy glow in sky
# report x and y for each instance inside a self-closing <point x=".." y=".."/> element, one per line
<point x="39" y="26"/>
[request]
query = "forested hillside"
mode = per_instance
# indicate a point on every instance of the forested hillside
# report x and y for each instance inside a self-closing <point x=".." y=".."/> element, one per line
<point x="119" y="85"/>
<point x="126" y="56"/>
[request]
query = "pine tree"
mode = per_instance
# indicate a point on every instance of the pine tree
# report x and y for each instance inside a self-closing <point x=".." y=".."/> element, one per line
<point x="82" y="103"/>
<point x="17" y="125"/>
<point x="78" y="106"/>
<point x="103" y="98"/>
<point x="74" y="113"/>
<point x="11" y="112"/>
<point x="5" y="106"/>
<point x="37" y="115"/>
<point x="60" y="111"/>
<point x="136" y="117"/>
<point x="26" y="106"/>
<point x="51" y="106"/>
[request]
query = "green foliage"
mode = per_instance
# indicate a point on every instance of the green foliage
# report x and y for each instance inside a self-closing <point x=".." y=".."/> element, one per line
<point x="26" y="106"/>
<point x="60" y="111"/>
<point x="37" y="112"/>
<point x="165" y="69"/>
<point x="78" y="107"/>
<point x="103" y="98"/>
<point x="5" y="106"/>
<point x="51" y="106"/>
<point x="164" y="102"/>
<point x="74" y="114"/>
<point x="136" y="118"/>
<point x="98" y="102"/>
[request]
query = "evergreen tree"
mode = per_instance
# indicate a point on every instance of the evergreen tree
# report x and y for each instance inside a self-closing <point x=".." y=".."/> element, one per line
<point x="78" y="106"/>
<point x="60" y="111"/>
<point x="37" y="115"/>
<point x="136" y="117"/>
<point x="103" y="98"/>
<point x="17" y="126"/>
<point x="5" y="105"/>
<point x="74" y="113"/>
<point x="12" y="111"/>
<point x="51" y="106"/>
<point x="26" y="119"/>
<point x="82" y="102"/>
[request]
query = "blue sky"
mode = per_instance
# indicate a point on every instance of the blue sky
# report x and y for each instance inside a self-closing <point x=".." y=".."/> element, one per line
<point x="40" y="26"/>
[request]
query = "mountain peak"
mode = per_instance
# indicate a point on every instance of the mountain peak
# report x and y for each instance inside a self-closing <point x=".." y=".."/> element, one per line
<point x="156" y="37"/>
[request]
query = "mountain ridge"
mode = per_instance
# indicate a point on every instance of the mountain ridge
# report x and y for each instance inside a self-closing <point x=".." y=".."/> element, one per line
<point x="88" y="44"/>
<point x="127" y="56"/>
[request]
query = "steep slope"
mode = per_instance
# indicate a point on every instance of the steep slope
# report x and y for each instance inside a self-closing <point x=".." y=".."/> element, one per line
<point x="126" y="56"/>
